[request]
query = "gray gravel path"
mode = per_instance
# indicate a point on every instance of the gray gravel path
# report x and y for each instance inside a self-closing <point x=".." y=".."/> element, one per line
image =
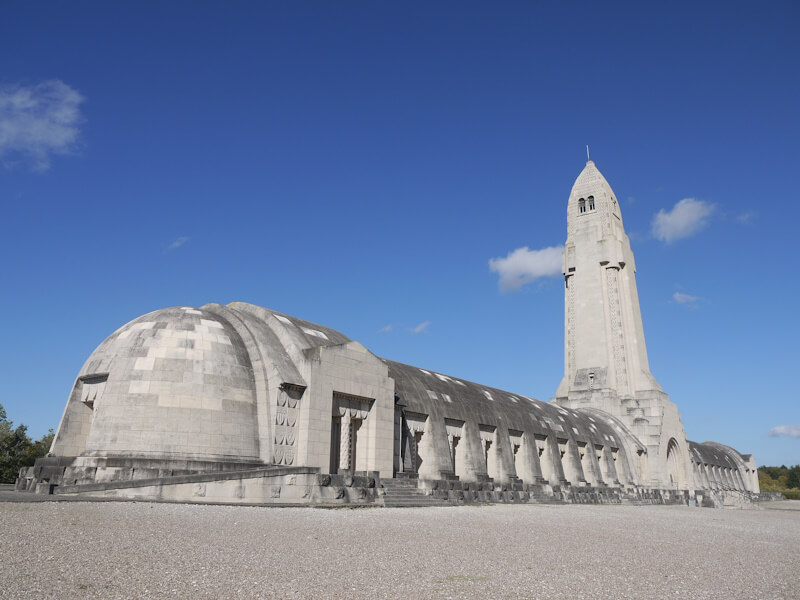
<point x="142" y="550"/>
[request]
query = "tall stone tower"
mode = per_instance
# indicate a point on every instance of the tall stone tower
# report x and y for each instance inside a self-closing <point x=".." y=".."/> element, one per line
<point x="605" y="356"/>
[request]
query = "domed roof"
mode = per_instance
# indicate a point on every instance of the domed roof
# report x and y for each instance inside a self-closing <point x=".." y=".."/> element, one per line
<point x="179" y="382"/>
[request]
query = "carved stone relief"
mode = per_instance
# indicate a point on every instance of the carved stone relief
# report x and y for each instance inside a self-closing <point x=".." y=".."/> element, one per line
<point x="286" y="423"/>
<point x="352" y="410"/>
<point x="570" y="325"/>
<point x="617" y="334"/>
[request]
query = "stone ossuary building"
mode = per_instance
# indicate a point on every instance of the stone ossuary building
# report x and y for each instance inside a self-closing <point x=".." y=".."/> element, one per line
<point x="241" y="404"/>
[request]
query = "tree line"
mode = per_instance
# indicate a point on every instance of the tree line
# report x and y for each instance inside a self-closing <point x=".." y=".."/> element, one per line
<point x="17" y="449"/>
<point x="783" y="479"/>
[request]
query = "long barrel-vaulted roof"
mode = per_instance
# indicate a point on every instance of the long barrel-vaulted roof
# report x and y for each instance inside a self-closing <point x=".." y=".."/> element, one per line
<point x="431" y="393"/>
<point x="711" y="453"/>
<point x="442" y="396"/>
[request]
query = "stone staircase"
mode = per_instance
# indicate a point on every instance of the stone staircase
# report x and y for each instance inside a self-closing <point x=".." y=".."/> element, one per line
<point x="404" y="492"/>
<point x="632" y="500"/>
<point x="541" y="497"/>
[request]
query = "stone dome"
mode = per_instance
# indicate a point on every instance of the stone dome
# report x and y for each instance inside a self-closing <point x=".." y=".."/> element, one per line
<point x="175" y="383"/>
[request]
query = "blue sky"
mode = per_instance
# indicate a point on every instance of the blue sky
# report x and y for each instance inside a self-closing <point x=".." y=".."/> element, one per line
<point x="360" y="164"/>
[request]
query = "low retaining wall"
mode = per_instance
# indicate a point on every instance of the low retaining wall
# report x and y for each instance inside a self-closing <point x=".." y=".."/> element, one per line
<point x="461" y="492"/>
<point x="273" y="486"/>
<point x="231" y="482"/>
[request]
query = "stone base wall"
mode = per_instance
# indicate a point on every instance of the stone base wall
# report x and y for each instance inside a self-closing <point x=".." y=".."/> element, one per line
<point x="166" y="480"/>
<point x="767" y="496"/>
<point x="259" y="487"/>
<point x="63" y="470"/>
<point x="458" y="492"/>
<point x="46" y="471"/>
<point x="726" y="499"/>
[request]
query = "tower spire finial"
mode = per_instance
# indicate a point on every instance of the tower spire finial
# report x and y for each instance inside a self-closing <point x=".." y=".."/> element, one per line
<point x="587" y="153"/>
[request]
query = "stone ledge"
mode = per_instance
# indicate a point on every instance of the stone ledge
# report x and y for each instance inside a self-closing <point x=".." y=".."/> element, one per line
<point x="192" y="478"/>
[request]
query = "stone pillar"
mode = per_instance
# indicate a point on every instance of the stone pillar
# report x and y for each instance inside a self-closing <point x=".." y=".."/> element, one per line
<point x="530" y="458"/>
<point x="410" y="463"/>
<point x="573" y="456"/>
<point x="399" y="451"/>
<point x="596" y="454"/>
<point x="457" y="443"/>
<point x="345" y="442"/>
<point x="452" y="442"/>
<point x="704" y="479"/>
<point x="740" y="480"/>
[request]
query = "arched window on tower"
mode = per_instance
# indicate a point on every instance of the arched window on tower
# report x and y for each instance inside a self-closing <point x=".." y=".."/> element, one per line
<point x="591" y="202"/>
<point x="581" y="206"/>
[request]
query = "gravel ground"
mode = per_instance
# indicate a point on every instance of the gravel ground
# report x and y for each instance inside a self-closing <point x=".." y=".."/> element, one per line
<point x="143" y="550"/>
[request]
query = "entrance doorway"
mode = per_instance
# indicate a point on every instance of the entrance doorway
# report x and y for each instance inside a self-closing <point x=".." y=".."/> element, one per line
<point x="344" y="444"/>
<point x="349" y="451"/>
<point x="674" y="466"/>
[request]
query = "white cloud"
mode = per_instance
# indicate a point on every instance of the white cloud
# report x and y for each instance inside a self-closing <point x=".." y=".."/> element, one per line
<point x="686" y="218"/>
<point x="38" y="121"/>
<point x="683" y="298"/>
<point x="788" y="430"/>
<point x="523" y="265"/>
<point x="385" y="329"/>
<point x="747" y="216"/>
<point x="421" y="327"/>
<point x="178" y="243"/>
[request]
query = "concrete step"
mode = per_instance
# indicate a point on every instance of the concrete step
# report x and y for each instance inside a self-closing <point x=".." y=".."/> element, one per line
<point x="415" y="502"/>
<point x="419" y="498"/>
<point x="404" y="492"/>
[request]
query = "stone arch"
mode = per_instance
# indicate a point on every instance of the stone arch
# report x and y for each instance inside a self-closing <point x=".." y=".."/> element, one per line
<point x="676" y="472"/>
<point x="545" y="454"/>
<point x="570" y="461"/>
<point x="627" y="453"/>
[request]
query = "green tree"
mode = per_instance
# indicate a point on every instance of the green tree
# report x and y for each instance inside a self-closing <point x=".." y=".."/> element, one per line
<point x="766" y="482"/>
<point x="42" y="446"/>
<point x="793" y="481"/>
<point x="17" y="450"/>
<point x="780" y="479"/>
<point x="774" y="472"/>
